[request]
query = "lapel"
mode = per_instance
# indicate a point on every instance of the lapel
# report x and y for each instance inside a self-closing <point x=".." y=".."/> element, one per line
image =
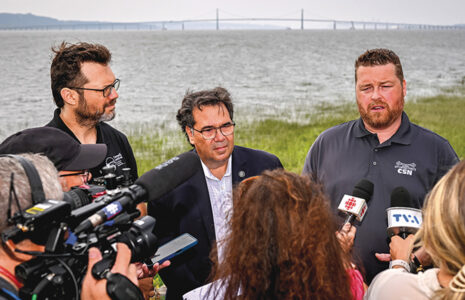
<point x="203" y="203"/>
<point x="239" y="166"/>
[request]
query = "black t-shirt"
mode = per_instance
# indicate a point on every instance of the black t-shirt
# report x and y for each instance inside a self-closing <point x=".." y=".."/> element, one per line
<point x="119" y="153"/>
<point x="6" y="287"/>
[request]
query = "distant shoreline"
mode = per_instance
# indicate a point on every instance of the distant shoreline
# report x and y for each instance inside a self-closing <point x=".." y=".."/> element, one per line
<point x="10" y="21"/>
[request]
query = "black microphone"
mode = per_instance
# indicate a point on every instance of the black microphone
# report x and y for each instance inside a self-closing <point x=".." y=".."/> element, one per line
<point x="355" y="205"/>
<point x="403" y="217"/>
<point x="150" y="186"/>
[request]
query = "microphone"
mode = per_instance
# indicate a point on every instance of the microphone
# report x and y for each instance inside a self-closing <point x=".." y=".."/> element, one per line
<point x="403" y="217"/>
<point x="355" y="205"/>
<point x="150" y="186"/>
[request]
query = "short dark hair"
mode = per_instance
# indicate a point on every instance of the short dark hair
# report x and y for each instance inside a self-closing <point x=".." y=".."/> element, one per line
<point x="199" y="99"/>
<point x="65" y="70"/>
<point x="379" y="57"/>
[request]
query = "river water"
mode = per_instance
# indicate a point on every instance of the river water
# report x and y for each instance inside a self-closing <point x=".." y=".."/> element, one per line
<point x="270" y="74"/>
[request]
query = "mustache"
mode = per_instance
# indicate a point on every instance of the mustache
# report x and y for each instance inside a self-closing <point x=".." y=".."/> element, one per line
<point x="376" y="103"/>
<point x="112" y="102"/>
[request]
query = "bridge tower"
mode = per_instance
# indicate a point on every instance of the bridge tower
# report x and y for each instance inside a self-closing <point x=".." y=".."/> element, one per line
<point x="302" y="19"/>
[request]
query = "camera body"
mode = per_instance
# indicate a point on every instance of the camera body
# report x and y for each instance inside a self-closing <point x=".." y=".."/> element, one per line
<point x="57" y="273"/>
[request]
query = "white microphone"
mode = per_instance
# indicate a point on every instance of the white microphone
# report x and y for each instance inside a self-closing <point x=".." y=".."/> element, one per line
<point x="355" y="205"/>
<point x="403" y="218"/>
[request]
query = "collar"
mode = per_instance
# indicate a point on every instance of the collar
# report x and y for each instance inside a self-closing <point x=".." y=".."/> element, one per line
<point x="208" y="173"/>
<point x="62" y="126"/>
<point x="402" y="136"/>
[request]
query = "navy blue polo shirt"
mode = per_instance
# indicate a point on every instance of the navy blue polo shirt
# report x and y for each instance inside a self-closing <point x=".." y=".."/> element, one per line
<point x="414" y="157"/>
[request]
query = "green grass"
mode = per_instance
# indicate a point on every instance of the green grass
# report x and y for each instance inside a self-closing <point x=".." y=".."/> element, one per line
<point x="444" y="114"/>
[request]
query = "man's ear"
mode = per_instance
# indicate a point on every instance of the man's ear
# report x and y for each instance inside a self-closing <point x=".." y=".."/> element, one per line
<point x="69" y="96"/>
<point x="190" y="134"/>
<point x="404" y="87"/>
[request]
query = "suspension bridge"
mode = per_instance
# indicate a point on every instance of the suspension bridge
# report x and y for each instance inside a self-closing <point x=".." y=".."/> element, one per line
<point x="218" y="23"/>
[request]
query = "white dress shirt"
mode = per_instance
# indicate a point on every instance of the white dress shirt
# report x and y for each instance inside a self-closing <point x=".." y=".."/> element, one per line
<point x="220" y="192"/>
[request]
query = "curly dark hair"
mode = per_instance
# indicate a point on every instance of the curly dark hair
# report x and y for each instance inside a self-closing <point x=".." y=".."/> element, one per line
<point x="380" y="57"/>
<point x="199" y="99"/>
<point x="65" y="70"/>
<point x="282" y="243"/>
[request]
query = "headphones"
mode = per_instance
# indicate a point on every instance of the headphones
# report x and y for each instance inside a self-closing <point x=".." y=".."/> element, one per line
<point x="37" y="191"/>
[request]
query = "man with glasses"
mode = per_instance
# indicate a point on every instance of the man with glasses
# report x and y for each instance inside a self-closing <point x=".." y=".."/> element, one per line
<point x="85" y="91"/>
<point x="202" y="204"/>
<point x="71" y="159"/>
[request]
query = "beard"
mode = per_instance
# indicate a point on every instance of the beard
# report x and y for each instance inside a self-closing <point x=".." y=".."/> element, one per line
<point x="86" y="117"/>
<point x="382" y="119"/>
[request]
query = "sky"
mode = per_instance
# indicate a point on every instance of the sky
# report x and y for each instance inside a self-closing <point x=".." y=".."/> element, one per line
<point x="436" y="12"/>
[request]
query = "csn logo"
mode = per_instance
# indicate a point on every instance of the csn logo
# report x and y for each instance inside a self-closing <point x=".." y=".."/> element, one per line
<point x="405" y="169"/>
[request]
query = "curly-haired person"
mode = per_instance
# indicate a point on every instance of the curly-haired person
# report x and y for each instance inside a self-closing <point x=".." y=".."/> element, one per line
<point x="282" y="244"/>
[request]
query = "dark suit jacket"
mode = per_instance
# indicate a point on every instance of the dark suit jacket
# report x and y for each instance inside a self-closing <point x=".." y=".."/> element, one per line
<point x="187" y="209"/>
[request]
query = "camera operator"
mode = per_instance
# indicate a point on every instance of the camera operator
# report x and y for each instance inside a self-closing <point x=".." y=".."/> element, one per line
<point x="14" y="183"/>
<point x="71" y="159"/>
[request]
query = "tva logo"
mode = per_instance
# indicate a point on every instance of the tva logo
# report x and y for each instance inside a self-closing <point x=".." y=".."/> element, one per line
<point x="406" y="218"/>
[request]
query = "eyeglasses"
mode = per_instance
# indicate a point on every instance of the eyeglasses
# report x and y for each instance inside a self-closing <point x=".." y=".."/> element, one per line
<point x="106" y="90"/>
<point x="84" y="175"/>
<point x="209" y="133"/>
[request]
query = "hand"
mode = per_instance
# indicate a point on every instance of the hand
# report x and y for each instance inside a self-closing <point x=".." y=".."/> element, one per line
<point x="383" y="256"/>
<point x="400" y="248"/>
<point x="346" y="237"/>
<point x="144" y="272"/>
<point x="96" y="289"/>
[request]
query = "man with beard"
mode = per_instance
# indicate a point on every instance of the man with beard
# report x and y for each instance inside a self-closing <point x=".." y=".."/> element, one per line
<point x="85" y="90"/>
<point x="383" y="147"/>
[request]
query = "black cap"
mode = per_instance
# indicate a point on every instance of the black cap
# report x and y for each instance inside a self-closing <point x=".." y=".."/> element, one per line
<point x="63" y="150"/>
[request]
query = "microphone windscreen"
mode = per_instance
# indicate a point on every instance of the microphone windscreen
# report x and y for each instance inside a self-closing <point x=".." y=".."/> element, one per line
<point x="363" y="189"/>
<point x="167" y="176"/>
<point x="400" y="197"/>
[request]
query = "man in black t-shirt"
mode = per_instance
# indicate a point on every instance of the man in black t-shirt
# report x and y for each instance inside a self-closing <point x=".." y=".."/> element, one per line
<point x="85" y="91"/>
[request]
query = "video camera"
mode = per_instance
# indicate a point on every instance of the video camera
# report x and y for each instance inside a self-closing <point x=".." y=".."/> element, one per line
<point x="69" y="228"/>
<point x="110" y="180"/>
<point x="57" y="273"/>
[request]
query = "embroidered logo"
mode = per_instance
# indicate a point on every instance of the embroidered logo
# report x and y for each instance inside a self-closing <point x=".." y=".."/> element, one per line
<point x="116" y="161"/>
<point x="405" y="169"/>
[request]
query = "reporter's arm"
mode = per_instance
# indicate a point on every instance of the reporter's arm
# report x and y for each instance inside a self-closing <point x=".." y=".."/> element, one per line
<point x="401" y="248"/>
